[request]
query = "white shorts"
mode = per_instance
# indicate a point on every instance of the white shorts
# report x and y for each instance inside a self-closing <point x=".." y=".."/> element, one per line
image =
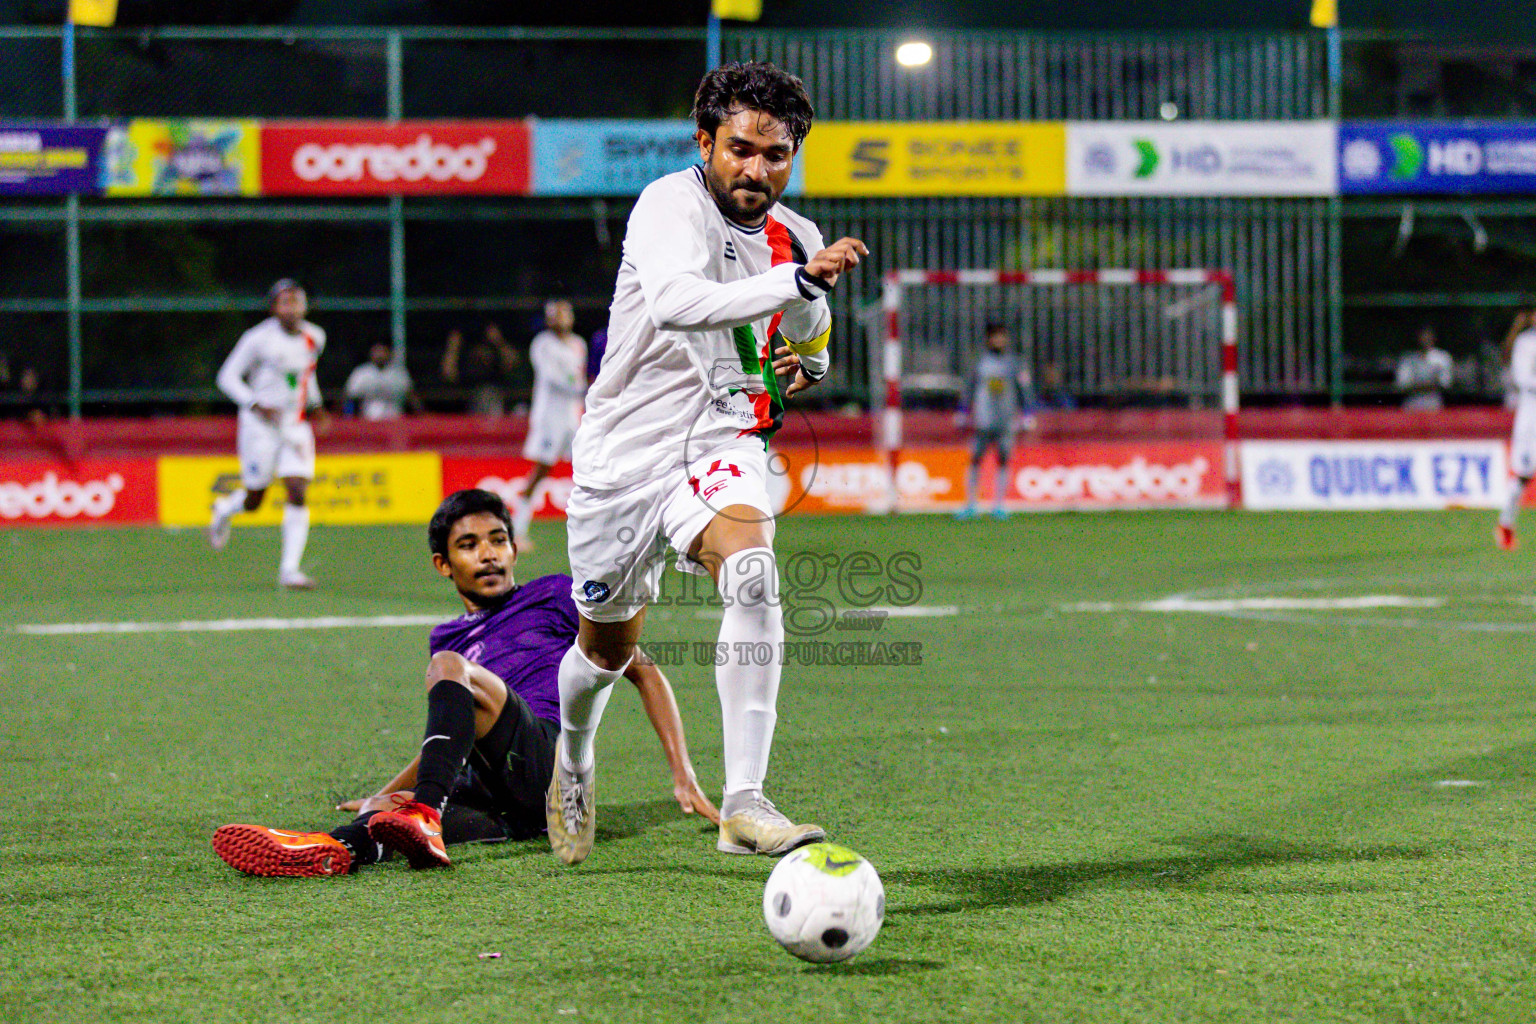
<point x="618" y="539"/>
<point x="1522" y="442"/>
<point x="549" y="442"/>
<point x="267" y="452"/>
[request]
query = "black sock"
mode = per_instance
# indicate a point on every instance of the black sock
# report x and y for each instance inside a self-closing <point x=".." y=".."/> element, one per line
<point x="450" y="735"/>
<point x="354" y="836"/>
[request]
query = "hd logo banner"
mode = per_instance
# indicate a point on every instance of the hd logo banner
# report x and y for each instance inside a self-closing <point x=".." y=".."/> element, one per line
<point x="1202" y="158"/>
<point x="1385" y="157"/>
<point x="935" y="158"/>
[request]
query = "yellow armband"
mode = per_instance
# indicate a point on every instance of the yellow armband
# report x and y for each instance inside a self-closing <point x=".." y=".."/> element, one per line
<point x="810" y="348"/>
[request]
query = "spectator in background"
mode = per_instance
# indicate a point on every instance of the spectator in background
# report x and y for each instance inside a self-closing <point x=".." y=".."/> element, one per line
<point x="1423" y="375"/>
<point x="381" y="387"/>
<point x="483" y="369"/>
<point x="1051" y="392"/>
<point x="26" y="403"/>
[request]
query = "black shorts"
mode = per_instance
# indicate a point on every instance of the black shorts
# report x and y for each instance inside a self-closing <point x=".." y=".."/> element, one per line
<point x="509" y="770"/>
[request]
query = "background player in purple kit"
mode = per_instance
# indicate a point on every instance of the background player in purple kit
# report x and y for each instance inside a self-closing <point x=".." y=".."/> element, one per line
<point x="493" y="714"/>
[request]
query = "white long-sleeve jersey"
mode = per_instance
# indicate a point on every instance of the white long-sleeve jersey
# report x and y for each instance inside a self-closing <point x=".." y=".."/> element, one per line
<point x="687" y="368"/>
<point x="275" y="369"/>
<point x="1522" y="374"/>
<point x="559" y="379"/>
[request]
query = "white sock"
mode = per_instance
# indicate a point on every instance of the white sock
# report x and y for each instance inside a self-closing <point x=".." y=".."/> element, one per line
<point x="971" y="483"/>
<point x="752" y="632"/>
<point x="1511" y="510"/>
<point x="522" y="515"/>
<point x="1002" y="485"/>
<point x="230" y="504"/>
<point x="295" y="536"/>
<point x="584" y="693"/>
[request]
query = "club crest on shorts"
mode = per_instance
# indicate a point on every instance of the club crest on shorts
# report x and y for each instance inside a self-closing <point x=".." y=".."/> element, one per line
<point x="596" y="591"/>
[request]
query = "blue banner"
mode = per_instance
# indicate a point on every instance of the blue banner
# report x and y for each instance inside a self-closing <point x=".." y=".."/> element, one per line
<point x="613" y="158"/>
<point x="1416" y="157"/>
<point x="38" y="159"/>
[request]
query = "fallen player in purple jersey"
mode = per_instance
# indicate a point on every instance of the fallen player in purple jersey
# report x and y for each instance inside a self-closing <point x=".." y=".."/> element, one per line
<point x="493" y="714"/>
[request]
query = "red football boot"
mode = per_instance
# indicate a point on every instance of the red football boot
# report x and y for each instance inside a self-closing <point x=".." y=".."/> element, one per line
<point x="413" y="830"/>
<point x="273" y="853"/>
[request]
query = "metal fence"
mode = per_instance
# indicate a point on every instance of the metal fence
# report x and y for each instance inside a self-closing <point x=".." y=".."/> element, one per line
<point x="156" y="289"/>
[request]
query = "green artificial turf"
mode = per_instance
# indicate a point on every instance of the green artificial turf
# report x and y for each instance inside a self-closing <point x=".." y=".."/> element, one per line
<point x="1080" y="813"/>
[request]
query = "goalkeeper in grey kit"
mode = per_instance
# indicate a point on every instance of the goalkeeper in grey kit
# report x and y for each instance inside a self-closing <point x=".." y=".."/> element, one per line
<point x="996" y="396"/>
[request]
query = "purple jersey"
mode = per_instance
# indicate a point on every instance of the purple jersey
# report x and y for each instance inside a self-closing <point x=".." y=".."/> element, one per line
<point x="522" y="641"/>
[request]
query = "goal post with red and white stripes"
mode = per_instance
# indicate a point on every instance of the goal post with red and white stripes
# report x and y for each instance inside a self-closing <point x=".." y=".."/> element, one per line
<point x="898" y="283"/>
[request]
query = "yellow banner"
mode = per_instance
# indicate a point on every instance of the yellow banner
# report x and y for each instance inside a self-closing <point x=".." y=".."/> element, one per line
<point x="738" y="10"/>
<point x="101" y="13"/>
<point x="936" y="158"/>
<point x="347" y="490"/>
<point x="184" y="158"/>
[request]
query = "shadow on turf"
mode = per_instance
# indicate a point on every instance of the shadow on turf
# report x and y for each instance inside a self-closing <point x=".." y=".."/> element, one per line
<point x="883" y="968"/>
<point x="624" y="821"/>
<point x="985" y="888"/>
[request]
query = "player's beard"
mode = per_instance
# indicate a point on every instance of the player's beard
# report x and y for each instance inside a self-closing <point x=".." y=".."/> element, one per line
<point x="724" y="193"/>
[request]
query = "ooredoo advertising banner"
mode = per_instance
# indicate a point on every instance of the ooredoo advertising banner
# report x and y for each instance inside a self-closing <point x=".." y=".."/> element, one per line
<point x="1377" y="157"/>
<point x="508" y="477"/>
<point x="347" y="489"/>
<point x="1041" y="476"/>
<point x="368" y="158"/>
<point x="935" y="158"/>
<point x="1202" y="158"/>
<point x="183" y="158"/>
<point x="49" y="159"/>
<point x="1374" y="474"/>
<point x="72" y="494"/>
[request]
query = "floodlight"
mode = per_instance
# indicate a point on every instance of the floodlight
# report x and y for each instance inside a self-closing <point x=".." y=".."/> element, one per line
<point x="914" y="54"/>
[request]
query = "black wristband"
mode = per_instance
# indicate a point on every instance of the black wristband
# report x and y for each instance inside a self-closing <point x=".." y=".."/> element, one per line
<point x="810" y="286"/>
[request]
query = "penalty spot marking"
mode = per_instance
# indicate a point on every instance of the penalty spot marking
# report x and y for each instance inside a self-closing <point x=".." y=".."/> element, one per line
<point x="1225" y="606"/>
<point x="227" y="625"/>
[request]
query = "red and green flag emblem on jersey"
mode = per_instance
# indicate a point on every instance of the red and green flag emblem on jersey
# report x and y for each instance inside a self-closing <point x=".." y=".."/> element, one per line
<point x="768" y="404"/>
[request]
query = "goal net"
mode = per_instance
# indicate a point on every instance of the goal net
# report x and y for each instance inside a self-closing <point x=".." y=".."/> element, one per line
<point x="1136" y="354"/>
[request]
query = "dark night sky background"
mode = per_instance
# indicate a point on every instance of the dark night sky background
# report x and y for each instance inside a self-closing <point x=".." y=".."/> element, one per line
<point x="1495" y="19"/>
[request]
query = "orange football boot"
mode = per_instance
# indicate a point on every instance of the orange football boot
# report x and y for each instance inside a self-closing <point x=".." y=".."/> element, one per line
<point x="273" y="853"/>
<point x="1504" y="537"/>
<point x="413" y="830"/>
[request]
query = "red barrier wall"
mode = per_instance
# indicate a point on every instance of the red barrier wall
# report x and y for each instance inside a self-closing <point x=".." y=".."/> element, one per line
<point x="471" y="437"/>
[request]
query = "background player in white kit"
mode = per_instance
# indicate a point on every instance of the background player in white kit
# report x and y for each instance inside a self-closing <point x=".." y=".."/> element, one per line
<point x="715" y="283"/>
<point x="1520" y="354"/>
<point x="559" y="358"/>
<point x="270" y="375"/>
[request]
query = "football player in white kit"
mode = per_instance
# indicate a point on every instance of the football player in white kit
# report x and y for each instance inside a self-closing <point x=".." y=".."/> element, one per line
<point x="270" y="375"/>
<point x="719" y="291"/>
<point x="1520" y="354"/>
<point x="559" y="358"/>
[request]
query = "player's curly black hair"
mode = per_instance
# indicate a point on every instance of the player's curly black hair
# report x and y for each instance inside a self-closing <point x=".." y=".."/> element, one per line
<point x="458" y="505"/>
<point x="754" y="85"/>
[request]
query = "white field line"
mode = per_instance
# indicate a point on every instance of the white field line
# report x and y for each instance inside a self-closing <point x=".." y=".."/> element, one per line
<point x="1226" y="606"/>
<point x="909" y="611"/>
<point x="228" y="625"/>
<point x="359" y="622"/>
